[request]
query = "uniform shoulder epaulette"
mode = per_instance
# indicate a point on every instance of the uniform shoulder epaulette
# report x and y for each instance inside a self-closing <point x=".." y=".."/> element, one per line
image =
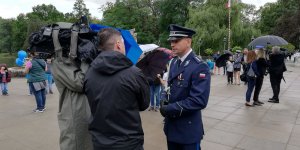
<point x="198" y="60"/>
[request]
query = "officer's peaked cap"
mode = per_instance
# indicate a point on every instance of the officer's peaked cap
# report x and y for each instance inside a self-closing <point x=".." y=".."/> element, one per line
<point x="179" y="32"/>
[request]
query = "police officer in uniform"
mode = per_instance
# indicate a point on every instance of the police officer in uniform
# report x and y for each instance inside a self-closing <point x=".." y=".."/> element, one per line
<point x="189" y="81"/>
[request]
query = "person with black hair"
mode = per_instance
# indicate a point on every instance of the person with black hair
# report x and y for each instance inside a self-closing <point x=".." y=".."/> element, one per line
<point x="117" y="91"/>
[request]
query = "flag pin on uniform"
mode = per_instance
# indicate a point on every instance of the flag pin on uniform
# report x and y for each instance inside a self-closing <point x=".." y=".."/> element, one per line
<point x="202" y="75"/>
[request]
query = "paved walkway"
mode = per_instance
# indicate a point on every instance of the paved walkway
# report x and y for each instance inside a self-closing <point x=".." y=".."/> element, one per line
<point x="229" y="125"/>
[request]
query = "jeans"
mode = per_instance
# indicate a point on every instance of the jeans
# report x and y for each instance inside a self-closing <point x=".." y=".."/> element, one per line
<point x="49" y="79"/>
<point x="224" y="70"/>
<point x="4" y="88"/>
<point x="30" y="90"/>
<point x="154" y="94"/>
<point x="40" y="97"/>
<point x="251" y="84"/>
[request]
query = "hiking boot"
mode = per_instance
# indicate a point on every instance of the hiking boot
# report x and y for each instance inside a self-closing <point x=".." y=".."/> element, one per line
<point x="273" y="101"/>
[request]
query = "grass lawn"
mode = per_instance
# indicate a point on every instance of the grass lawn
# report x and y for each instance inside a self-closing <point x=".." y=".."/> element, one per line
<point x="9" y="60"/>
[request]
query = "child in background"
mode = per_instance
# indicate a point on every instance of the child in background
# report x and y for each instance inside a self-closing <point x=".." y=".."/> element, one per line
<point x="4" y="79"/>
<point x="229" y="65"/>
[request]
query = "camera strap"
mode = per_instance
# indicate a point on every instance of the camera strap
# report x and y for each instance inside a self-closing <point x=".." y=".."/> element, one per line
<point x="56" y="43"/>
<point x="74" y="41"/>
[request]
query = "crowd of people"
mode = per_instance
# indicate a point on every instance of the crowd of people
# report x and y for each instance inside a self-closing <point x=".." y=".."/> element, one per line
<point x="254" y="65"/>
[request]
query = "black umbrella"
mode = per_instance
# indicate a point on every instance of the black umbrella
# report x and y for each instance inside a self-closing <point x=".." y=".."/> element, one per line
<point x="154" y="63"/>
<point x="221" y="61"/>
<point x="268" y="40"/>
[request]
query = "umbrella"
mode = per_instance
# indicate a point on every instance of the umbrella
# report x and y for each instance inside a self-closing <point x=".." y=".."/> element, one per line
<point x="221" y="61"/>
<point x="154" y="62"/>
<point x="133" y="51"/>
<point x="268" y="40"/>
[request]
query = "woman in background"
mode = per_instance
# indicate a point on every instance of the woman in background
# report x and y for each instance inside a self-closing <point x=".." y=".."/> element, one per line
<point x="251" y="67"/>
<point x="37" y="81"/>
<point x="261" y="68"/>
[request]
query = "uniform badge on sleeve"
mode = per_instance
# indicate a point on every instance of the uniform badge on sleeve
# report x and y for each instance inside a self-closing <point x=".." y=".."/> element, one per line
<point x="202" y="75"/>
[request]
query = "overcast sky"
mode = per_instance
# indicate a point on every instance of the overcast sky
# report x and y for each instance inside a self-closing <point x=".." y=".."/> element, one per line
<point x="12" y="8"/>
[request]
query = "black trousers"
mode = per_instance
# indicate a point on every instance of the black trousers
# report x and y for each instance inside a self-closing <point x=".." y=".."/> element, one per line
<point x="230" y="77"/>
<point x="275" y="84"/>
<point x="258" y="85"/>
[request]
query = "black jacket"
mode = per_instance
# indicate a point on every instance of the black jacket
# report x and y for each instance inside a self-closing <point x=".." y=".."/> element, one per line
<point x="277" y="65"/>
<point x="116" y="92"/>
<point x="261" y="66"/>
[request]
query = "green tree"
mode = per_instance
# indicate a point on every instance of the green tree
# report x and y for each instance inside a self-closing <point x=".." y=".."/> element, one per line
<point x="282" y="19"/>
<point x="6" y="35"/>
<point x="210" y="20"/>
<point x="47" y="13"/>
<point x="79" y="9"/>
<point x="133" y="14"/>
<point x="19" y="32"/>
<point x="234" y="49"/>
<point x="174" y="12"/>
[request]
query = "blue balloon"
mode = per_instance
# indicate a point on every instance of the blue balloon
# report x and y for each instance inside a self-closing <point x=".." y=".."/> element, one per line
<point x="22" y="54"/>
<point x="19" y="62"/>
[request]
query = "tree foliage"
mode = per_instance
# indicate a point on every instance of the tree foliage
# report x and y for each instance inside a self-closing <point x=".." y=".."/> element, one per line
<point x="210" y="20"/>
<point x="6" y="35"/>
<point x="283" y="19"/>
<point x="80" y="9"/>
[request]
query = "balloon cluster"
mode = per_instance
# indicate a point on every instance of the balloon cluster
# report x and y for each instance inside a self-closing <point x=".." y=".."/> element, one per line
<point x="21" y="58"/>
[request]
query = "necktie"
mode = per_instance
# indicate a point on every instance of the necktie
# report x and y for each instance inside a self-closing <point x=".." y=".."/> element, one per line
<point x="178" y="63"/>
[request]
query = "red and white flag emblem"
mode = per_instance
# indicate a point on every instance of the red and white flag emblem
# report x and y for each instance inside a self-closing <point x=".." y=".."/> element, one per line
<point x="202" y="75"/>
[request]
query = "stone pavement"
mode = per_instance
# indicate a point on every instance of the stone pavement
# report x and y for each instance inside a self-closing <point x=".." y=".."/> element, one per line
<point x="229" y="125"/>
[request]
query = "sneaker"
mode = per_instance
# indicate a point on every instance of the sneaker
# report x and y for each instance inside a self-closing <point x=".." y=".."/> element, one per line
<point x="151" y="108"/>
<point x="248" y="104"/>
<point x="37" y="110"/>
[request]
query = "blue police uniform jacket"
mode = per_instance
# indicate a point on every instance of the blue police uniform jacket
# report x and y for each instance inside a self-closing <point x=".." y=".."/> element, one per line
<point x="189" y="94"/>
